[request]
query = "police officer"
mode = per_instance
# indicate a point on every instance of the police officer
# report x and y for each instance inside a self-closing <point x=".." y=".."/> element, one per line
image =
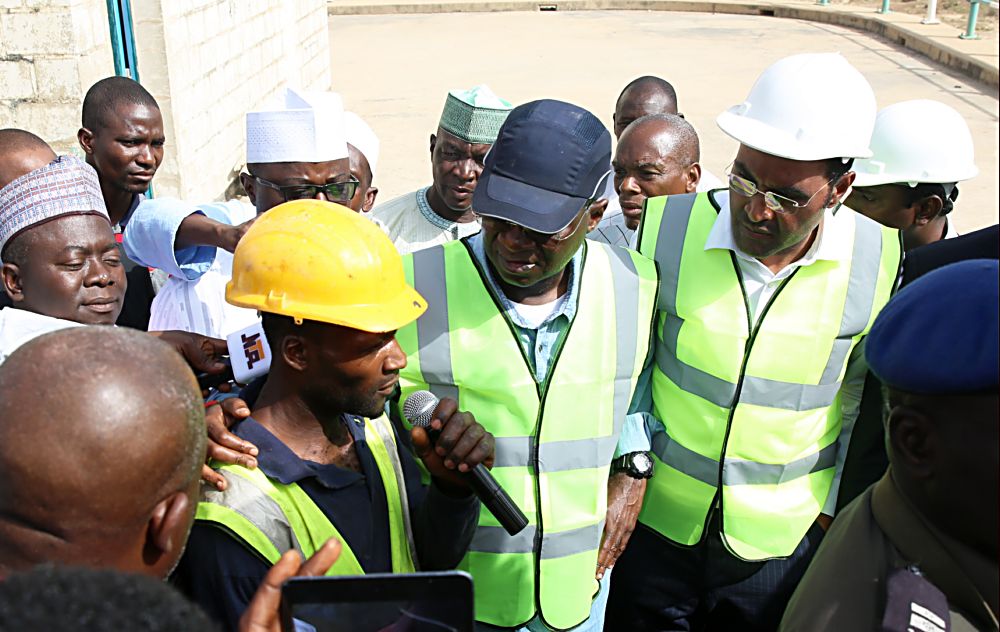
<point x="330" y="462"/>
<point x="765" y="294"/>
<point x="918" y="550"/>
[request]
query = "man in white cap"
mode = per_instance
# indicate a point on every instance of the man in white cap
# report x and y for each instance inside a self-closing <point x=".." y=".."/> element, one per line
<point x="921" y="150"/>
<point x="363" y="150"/>
<point x="765" y="294"/>
<point x="295" y="150"/>
<point x="443" y="212"/>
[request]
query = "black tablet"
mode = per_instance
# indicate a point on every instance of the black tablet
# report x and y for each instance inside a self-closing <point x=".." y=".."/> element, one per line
<point x="382" y="602"/>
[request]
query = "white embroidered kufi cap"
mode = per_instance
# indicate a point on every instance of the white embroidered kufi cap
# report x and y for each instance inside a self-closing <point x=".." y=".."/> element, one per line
<point x="304" y="127"/>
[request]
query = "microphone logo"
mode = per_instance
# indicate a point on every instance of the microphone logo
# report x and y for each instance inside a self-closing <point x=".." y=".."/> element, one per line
<point x="253" y="349"/>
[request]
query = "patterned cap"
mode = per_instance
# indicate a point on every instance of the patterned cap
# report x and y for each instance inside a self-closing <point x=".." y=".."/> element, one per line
<point x="65" y="186"/>
<point x="474" y="115"/>
<point x="303" y="126"/>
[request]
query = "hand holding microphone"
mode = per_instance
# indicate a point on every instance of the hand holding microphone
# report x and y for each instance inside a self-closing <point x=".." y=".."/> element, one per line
<point x="460" y="444"/>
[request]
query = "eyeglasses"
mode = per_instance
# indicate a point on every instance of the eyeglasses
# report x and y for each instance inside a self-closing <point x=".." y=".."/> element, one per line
<point x="773" y="201"/>
<point x="542" y="239"/>
<point x="334" y="191"/>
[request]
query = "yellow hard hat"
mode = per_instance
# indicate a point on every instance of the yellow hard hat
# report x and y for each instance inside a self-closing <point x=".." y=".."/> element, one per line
<point x="314" y="260"/>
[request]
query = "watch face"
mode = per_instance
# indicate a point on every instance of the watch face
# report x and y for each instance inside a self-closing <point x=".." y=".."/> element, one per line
<point x="642" y="462"/>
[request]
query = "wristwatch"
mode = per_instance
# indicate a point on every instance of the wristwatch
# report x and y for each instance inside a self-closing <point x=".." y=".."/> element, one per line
<point x="635" y="464"/>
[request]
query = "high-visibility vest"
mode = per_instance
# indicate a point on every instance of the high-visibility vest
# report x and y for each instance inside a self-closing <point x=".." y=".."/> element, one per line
<point x="752" y="412"/>
<point x="554" y="440"/>
<point x="271" y="518"/>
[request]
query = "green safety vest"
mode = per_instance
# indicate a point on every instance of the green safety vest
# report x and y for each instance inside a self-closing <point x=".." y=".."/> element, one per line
<point x="752" y="412"/>
<point x="554" y="440"/>
<point x="271" y="518"/>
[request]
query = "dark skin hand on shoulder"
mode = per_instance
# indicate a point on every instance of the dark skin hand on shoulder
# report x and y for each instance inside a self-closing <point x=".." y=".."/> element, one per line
<point x="463" y="443"/>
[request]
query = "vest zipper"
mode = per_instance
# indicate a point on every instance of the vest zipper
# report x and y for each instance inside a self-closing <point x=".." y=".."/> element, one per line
<point x="753" y="329"/>
<point x="542" y="390"/>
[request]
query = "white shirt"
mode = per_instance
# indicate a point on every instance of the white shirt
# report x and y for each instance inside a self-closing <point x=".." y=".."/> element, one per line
<point x="708" y="182"/>
<point x="200" y="306"/>
<point x="18" y="326"/>
<point x="758" y="280"/>
<point x="534" y="316"/>
<point x="412" y="225"/>
<point x="760" y="284"/>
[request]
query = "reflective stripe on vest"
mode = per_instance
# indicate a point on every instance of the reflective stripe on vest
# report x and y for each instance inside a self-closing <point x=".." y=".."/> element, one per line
<point x="766" y="395"/>
<point x="554" y="440"/>
<point x="271" y="518"/>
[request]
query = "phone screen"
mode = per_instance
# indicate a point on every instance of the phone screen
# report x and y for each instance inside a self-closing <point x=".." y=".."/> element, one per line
<point x="419" y="602"/>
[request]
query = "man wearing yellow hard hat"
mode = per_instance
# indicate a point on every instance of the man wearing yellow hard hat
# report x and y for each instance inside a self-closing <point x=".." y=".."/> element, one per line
<point x="331" y="290"/>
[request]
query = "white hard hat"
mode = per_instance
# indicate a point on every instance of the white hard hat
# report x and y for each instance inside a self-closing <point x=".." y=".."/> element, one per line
<point x="916" y="142"/>
<point x="813" y="106"/>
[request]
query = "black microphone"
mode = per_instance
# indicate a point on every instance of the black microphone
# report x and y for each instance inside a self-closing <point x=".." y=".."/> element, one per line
<point x="419" y="411"/>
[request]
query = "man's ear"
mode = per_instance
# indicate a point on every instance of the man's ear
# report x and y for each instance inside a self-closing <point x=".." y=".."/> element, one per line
<point x="692" y="177"/>
<point x="840" y="188"/>
<point x="12" y="282"/>
<point x="433" y="143"/>
<point x="169" y="524"/>
<point x="596" y="212"/>
<point x="370" y="195"/>
<point x="927" y="209"/>
<point x="86" y="139"/>
<point x="250" y="186"/>
<point x="911" y="441"/>
<point x="294" y="352"/>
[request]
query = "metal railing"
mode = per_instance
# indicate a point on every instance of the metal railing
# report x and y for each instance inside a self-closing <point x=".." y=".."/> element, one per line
<point x="931" y="17"/>
<point x="970" y="27"/>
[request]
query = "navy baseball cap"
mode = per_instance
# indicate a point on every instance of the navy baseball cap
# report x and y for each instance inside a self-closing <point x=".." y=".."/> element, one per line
<point x="548" y="160"/>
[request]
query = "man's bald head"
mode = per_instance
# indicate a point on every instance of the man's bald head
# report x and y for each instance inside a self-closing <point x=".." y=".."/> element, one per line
<point x="656" y="155"/>
<point x="670" y="134"/>
<point x="102" y="439"/>
<point x="642" y="97"/>
<point x="21" y="152"/>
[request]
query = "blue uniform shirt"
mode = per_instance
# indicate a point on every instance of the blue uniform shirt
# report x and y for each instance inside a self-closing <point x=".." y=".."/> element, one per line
<point x="221" y="574"/>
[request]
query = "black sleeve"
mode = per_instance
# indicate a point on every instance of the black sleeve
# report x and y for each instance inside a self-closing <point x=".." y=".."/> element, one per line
<point x="219" y="573"/>
<point x="443" y="526"/>
<point x="866" y="459"/>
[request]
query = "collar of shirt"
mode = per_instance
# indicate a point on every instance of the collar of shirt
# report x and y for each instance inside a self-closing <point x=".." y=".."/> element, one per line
<point x="568" y="308"/>
<point x="824" y="248"/>
<point x="279" y="462"/>
<point x="425" y="209"/>
<point x="136" y="200"/>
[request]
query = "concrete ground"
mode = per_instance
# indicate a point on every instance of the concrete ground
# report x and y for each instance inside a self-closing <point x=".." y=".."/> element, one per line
<point x="395" y="70"/>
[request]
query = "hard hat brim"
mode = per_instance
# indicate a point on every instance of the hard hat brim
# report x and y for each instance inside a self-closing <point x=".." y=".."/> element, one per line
<point x="864" y="179"/>
<point x="776" y="142"/>
<point x="391" y="315"/>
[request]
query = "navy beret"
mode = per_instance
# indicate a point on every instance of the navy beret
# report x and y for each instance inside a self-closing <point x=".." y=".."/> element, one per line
<point x="941" y="333"/>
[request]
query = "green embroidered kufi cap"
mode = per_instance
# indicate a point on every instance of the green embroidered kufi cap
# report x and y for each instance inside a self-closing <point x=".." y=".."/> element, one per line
<point x="474" y="115"/>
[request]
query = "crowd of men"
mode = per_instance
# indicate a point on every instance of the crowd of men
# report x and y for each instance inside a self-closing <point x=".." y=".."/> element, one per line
<point x="766" y="403"/>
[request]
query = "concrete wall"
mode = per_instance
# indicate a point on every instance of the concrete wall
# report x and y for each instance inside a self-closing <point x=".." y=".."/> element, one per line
<point x="206" y="61"/>
<point x="51" y="51"/>
<point x="209" y="61"/>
